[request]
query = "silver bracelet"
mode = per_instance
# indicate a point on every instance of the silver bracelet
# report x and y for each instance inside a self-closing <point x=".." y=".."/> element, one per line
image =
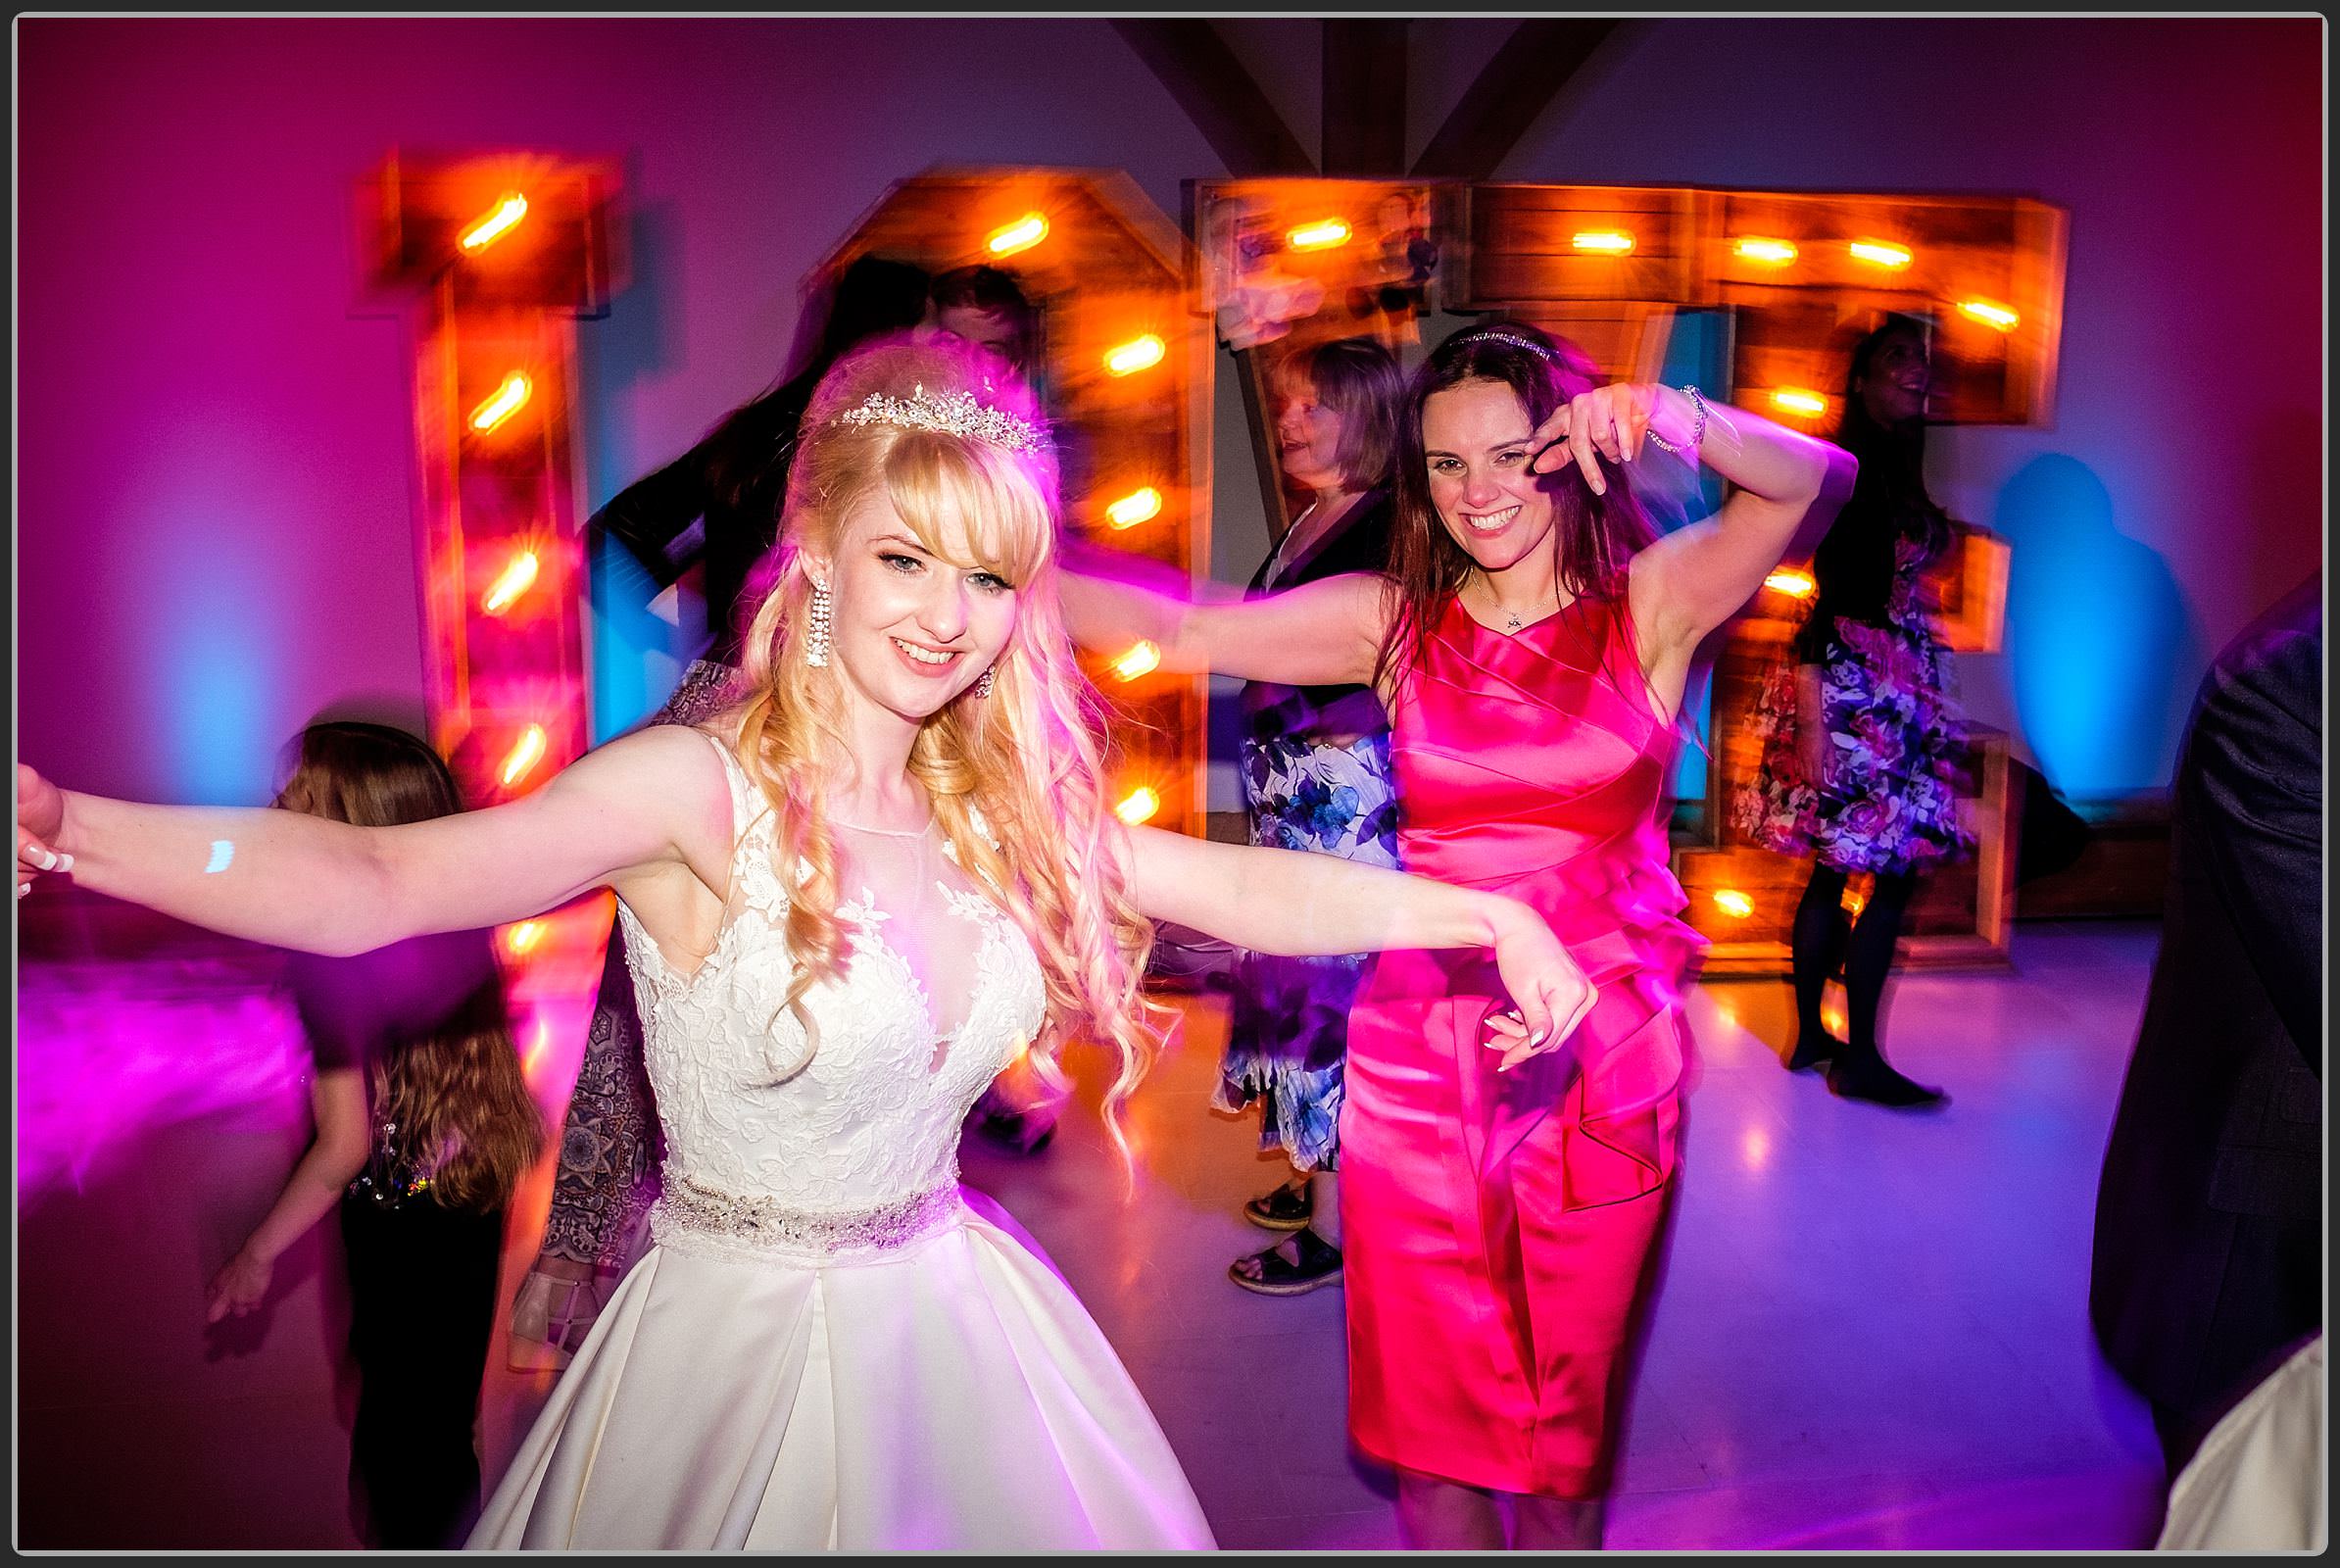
<point x="1697" y="431"/>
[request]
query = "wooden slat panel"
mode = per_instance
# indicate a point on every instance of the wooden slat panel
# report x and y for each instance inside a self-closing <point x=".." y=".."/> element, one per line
<point x="1522" y="246"/>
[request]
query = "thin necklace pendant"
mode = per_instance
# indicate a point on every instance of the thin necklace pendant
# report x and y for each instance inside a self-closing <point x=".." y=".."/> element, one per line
<point x="1513" y="621"/>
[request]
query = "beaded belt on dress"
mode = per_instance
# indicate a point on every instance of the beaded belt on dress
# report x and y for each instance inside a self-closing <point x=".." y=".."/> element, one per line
<point x="694" y="1219"/>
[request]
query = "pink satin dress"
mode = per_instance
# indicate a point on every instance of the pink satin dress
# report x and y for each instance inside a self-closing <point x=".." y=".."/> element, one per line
<point x="1497" y="1226"/>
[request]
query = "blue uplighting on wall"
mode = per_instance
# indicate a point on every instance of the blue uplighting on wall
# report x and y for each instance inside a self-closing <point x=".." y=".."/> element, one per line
<point x="635" y="663"/>
<point x="215" y="673"/>
<point x="1697" y="344"/>
<point x="2097" y="633"/>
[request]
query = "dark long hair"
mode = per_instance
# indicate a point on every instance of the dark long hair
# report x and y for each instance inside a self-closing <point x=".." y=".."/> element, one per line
<point x="1596" y="536"/>
<point x="1891" y="483"/>
<point x="465" y="1116"/>
<point x="873" y="296"/>
<point x="993" y="292"/>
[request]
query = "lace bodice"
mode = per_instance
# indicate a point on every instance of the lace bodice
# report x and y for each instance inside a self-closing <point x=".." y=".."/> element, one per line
<point x="873" y="1120"/>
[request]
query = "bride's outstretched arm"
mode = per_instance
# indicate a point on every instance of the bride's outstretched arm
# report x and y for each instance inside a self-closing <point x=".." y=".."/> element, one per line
<point x="1283" y="902"/>
<point x="646" y="801"/>
<point x="1324" y="633"/>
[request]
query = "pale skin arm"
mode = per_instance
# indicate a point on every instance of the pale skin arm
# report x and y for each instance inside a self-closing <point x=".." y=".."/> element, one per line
<point x="1277" y="901"/>
<point x="333" y="1160"/>
<point x="1693" y="579"/>
<point x="1323" y="633"/>
<point x="642" y="815"/>
<point x="1811" y="736"/>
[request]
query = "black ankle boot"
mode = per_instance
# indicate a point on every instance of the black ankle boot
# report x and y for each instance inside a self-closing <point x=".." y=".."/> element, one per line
<point x="1813" y="1046"/>
<point x="1867" y="1075"/>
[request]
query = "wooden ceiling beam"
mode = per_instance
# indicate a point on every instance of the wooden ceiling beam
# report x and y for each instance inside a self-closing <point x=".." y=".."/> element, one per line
<point x="1364" y="97"/>
<point x="1211" y="84"/>
<point x="1514" y="88"/>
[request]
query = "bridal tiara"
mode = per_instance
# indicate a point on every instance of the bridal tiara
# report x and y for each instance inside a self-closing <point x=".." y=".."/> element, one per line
<point x="951" y="414"/>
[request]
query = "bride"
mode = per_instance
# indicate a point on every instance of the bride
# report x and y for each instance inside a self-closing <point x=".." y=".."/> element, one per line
<point x="851" y="900"/>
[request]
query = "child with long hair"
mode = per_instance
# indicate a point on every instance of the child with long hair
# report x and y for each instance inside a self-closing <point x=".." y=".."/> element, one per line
<point x="848" y="901"/>
<point x="425" y="1129"/>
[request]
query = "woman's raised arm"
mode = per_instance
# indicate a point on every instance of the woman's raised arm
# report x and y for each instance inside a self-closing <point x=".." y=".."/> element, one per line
<point x="646" y="801"/>
<point x="1324" y="633"/>
<point x="1784" y="485"/>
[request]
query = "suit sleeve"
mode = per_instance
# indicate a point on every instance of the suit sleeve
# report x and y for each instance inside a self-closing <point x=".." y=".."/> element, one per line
<point x="2257" y="757"/>
<point x="647" y="515"/>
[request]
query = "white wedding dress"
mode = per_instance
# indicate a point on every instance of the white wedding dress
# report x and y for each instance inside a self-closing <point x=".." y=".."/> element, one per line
<point x="825" y="1347"/>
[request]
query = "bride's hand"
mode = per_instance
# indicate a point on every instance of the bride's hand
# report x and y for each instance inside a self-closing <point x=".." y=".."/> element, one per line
<point x="1549" y="991"/>
<point x="40" y="815"/>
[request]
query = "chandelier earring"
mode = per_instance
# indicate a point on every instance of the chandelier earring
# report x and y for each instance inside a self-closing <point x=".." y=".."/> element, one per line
<point x="816" y="630"/>
<point x="983" y="682"/>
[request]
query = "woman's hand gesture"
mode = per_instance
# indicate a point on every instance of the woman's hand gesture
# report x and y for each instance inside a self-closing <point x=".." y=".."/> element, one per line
<point x="1812" y="749"/>
<point x="1811" y="742"/>
<point x="240" y="1287"/>
<point x="40" y="815"/>
<point x="1549" y="993"/>
<point x="1609" y="422"/>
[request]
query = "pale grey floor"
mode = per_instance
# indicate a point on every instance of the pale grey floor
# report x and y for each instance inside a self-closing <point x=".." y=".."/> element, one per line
<point x="1870" y="1331"/>
<point x="1870" y="1326"/>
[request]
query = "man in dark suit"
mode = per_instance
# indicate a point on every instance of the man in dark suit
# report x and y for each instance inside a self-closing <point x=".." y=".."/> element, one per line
<point x="2208" y="1258"/>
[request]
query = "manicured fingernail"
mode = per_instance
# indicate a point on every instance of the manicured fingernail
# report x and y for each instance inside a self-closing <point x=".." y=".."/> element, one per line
<point x="64" y="862"/>
<point x="23" y="887"/>
<point x="47" y="860"/>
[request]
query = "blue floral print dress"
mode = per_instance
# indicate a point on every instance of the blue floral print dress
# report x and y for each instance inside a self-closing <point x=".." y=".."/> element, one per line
<point x="1315" y="766"/>
<point x="1890" y="802"/>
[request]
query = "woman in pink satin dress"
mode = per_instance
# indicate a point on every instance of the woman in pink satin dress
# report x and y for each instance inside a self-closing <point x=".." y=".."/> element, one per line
<point x="1532" y="642"/>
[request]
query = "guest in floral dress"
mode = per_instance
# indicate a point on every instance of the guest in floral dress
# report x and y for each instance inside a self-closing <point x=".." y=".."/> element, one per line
<point x="1859" y="752"/>
<point x="1315" y="764"/>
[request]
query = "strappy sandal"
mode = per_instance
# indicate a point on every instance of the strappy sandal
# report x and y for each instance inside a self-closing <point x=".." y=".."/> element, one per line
<point x="1317" y="1264"/>
<point x="1286" y="1208"/>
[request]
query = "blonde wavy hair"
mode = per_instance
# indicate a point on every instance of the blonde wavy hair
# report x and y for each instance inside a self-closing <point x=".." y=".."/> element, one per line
<point x="1028" y="757"/>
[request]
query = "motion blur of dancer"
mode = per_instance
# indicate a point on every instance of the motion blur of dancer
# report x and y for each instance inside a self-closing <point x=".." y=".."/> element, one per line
<point x="1859" y="760"/>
